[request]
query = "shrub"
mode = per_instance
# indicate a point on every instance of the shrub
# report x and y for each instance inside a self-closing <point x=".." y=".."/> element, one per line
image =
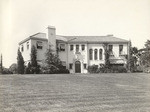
<point x="113" y="69"/>
<point x="101" y="69"/>
<point x="48" y="69"/>
<point x="26" y="70"/>
<point x="13" y="68"/>
<point x="63" y="71"/>
<point x="93" y="69"/>
<point x="139" y="69"/>
<point x="122" y="69"/>
<point x="6" y="71"/>
<point x="146" y="70"/>
<point x="118" y="69"/>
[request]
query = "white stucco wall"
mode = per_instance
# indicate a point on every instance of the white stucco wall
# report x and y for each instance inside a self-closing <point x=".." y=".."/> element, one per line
<point x="117" y="58"/>
<point x="98" y="61"/>
<point x="70" y="56"/>
<point x="26" y="52"/>
<point x="125" y="48"/>
<point x="40" y="52"/>
<point x="116" y="49"/>
<point x="63" y="54"/>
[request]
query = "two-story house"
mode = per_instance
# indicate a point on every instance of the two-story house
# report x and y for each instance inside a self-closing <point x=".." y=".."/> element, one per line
<point x="77" y="52"/>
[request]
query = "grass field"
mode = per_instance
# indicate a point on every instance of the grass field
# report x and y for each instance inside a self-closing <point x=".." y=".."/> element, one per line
<point x="75" y="93"/>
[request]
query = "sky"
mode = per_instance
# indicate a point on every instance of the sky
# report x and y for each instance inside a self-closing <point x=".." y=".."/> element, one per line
<point x="126" y="19"/>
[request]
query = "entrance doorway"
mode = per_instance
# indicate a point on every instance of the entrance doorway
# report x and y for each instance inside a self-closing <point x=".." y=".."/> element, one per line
<point x="77" y="67"/>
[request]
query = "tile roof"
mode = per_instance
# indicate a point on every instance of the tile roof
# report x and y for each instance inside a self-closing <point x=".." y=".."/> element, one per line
<point x="89" y="39"/>
<point x="38" y="36"/>
<point x="94" y="39"/>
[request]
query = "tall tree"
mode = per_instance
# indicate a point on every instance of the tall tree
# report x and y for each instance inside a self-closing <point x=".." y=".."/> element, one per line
<point x="33" y="56"/>
<point x="145" y="56"/>
<point x="134" y="50"/>
<point x="147" y="44"/>
<point x="34" y="64"/>
<point x="1" y="66"/>
<point x="52" y="61"/>
<point x="133" y="58"/>
<point x="107" y="61"/>
<point x="20" y="63"/>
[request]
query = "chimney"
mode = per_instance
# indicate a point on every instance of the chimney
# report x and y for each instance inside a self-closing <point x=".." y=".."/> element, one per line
<point x="52" y="37"/>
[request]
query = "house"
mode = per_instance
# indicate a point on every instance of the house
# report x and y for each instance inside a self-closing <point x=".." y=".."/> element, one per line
<point x="77" y="52"/>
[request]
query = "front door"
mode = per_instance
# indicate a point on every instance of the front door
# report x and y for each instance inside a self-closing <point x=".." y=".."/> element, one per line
<point x="77" y="67"/>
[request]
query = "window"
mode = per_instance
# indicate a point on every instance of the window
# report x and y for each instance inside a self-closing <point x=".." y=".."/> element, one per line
<point x="62" y="47"/>
<point x="120" y="49"/>
<point x="83" y="47"/>
<point x="111" y="49"/>
<point x="27" y="45"/>
<point x="84" y="66"/>
<point x="77" y="48"/>
<point x="100" y="54"/>
<point x="91" y="54"/>
<point x="95" y="54"/>
<point x="71" y="47"/>
<point x="70" y="66"/>
<point x="39" y="45"/>
<point x="22" y="49"/>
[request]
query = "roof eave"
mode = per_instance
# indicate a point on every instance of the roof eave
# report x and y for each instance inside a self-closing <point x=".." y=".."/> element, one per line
<point x="96" y="42"/>
<point x="33" y="38"/>
<point x="24" y="40"/>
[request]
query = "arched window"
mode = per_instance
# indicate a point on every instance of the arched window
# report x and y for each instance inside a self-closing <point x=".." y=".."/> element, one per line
<point x="90" y="54"/>
<point x="100" y="54"/>
<point x="95" y="54"/>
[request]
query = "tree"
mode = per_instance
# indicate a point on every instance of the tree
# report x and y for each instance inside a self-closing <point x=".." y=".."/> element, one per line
<point x="134" y="50"/>
<point x="34" y="64"/>
<point x="107" y="61"/>
<point x="147" y="44"/>
<point x="145" y="59"/>
<point x="133" y="58"/>
<point x="52" y="62"/>
<point x="28" y="69"/>
<point x="20" y="63"/>
<point x="1" y="65"/>
<point x="145" y="56"/>
<point x="13" y="68"/>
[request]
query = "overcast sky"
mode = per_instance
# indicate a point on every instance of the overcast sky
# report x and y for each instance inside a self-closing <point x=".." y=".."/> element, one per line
<point x="126" y="19"/>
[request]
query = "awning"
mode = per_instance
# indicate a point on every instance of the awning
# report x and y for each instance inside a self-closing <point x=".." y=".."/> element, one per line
<point x="117" y="61"/>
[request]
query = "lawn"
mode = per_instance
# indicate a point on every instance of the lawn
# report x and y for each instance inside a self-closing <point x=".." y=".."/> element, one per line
<point x="75" y="93"/>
